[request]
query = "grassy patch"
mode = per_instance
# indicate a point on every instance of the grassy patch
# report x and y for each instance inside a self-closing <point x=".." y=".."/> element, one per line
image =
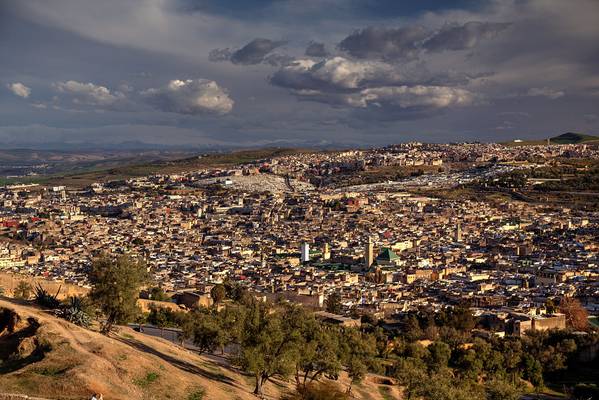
<point x="197" y="394"/>
<point x="51" y="370"/>
<point x="146" y="380"/>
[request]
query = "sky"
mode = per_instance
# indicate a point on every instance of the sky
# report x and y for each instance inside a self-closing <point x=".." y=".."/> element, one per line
<point x="241" y="73"/>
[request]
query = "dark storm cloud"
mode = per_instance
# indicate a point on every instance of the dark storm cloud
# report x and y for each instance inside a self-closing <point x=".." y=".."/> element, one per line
<point x="218" y="55"/>
<point x="344" y="9"/>
<point x="252" y="53"/>
<point x="384" y="43"/>
<point x="316" y="49"/>
<point x="409" y="42"/>
<point x="277" y="60"/>
<point x="462" y="37"/>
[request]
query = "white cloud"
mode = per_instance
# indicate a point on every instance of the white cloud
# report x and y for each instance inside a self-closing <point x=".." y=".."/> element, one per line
<point x="337" y="73"/>
<point x="191" y="96"/>
<point x="19" y="89"/>
<point x="88" y="93"/>
<point x="367" y="85"/>
<point x="416" y="96"/>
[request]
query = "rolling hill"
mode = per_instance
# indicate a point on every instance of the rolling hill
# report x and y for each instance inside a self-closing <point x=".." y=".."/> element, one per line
<point x="134" y="168"/>
<point x="573" y="138"/>
<point x="565" y="138"/>
<point x="41" y="355"/>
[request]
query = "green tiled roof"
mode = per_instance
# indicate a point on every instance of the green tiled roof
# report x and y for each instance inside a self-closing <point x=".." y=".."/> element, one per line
<point x="387" y="255"/>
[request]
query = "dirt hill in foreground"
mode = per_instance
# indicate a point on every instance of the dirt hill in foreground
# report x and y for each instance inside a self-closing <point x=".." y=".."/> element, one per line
<point x="44" y="356"/>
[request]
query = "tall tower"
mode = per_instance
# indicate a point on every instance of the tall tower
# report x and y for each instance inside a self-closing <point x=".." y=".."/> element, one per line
<point x="458" y="232"/>
<point x="369" y="253"/>
<point x="326" y="252"/>
<point x="305" y="252"/>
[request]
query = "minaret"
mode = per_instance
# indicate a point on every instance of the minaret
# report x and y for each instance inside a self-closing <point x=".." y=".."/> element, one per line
<point x="458" y="232"/>
<point x="326" y="252"/>
<point x="369" y="253"/>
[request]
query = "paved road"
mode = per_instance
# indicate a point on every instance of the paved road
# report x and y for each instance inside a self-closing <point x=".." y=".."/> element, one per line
<point x="171" y="334"/>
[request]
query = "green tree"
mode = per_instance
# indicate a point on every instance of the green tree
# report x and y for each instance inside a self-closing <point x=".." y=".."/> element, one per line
<point x="410" y="373"/>
<point x="469" y="364"/>
<point x="551" y="306"/>
<point x="204" y="330"/>
<point x="333" y="303"/>
<point x="358" y="352"/>
<point x="511" y="349"/>
<point x="412" y="330"/>
<point x="269" y="342"/>
<point x="442" y="386"/>
<point x="498" y="389"/>
<point x="158" y="294"/>
<point x="159" y="318"/>
<point x="116" y="283"/>
<point x="319" y="353"/>
<point x="229" y="320"/>
<point x="218" y="293"/>
<point x="533" y="370"/>
<point x="462" y="319"/>
<point x="439" y="354"/>
<point x="23" y="290"/>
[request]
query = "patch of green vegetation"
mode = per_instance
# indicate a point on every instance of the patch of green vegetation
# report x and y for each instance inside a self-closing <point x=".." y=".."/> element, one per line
<point x="572" y="138"/>
<point x="146" y="380"/>
<point x="385" y="392"/>
<point x="197" y="394"/>
<point x="127" y="336"/>
<point x="51" y="370"/>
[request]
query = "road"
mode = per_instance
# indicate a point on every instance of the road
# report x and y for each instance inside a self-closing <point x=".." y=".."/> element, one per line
<point x="171" y="334"/>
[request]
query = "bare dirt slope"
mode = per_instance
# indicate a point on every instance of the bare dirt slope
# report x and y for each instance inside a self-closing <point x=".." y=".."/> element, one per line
<point x="44" y="356"/>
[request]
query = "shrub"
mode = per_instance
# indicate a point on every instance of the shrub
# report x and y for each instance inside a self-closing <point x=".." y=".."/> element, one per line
<point x="75" y="311"/>
<point x="45" y="299"/>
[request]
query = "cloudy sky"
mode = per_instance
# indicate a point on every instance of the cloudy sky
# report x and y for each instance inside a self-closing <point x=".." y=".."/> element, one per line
<point x="295" y="72"/>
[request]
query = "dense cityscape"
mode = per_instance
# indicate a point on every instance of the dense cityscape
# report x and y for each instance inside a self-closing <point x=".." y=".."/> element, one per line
<point x="299" y="200"/>
<point x="382" y="249"/>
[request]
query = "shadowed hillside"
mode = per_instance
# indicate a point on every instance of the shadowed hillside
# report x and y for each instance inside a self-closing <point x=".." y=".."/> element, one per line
<point x="573" y="138"/>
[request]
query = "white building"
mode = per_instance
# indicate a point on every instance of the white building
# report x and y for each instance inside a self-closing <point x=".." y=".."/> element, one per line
<point x="305" y="252"/>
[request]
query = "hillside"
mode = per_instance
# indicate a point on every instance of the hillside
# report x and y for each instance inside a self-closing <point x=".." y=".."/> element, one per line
<point x="133" y="169"/>
<point x="565" y="138"/>
<point x="573" y="138"/>
<point x="44" y="356"/>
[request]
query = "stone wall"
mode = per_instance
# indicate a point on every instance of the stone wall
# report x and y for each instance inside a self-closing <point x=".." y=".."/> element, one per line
<point x="9" y="281"/>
